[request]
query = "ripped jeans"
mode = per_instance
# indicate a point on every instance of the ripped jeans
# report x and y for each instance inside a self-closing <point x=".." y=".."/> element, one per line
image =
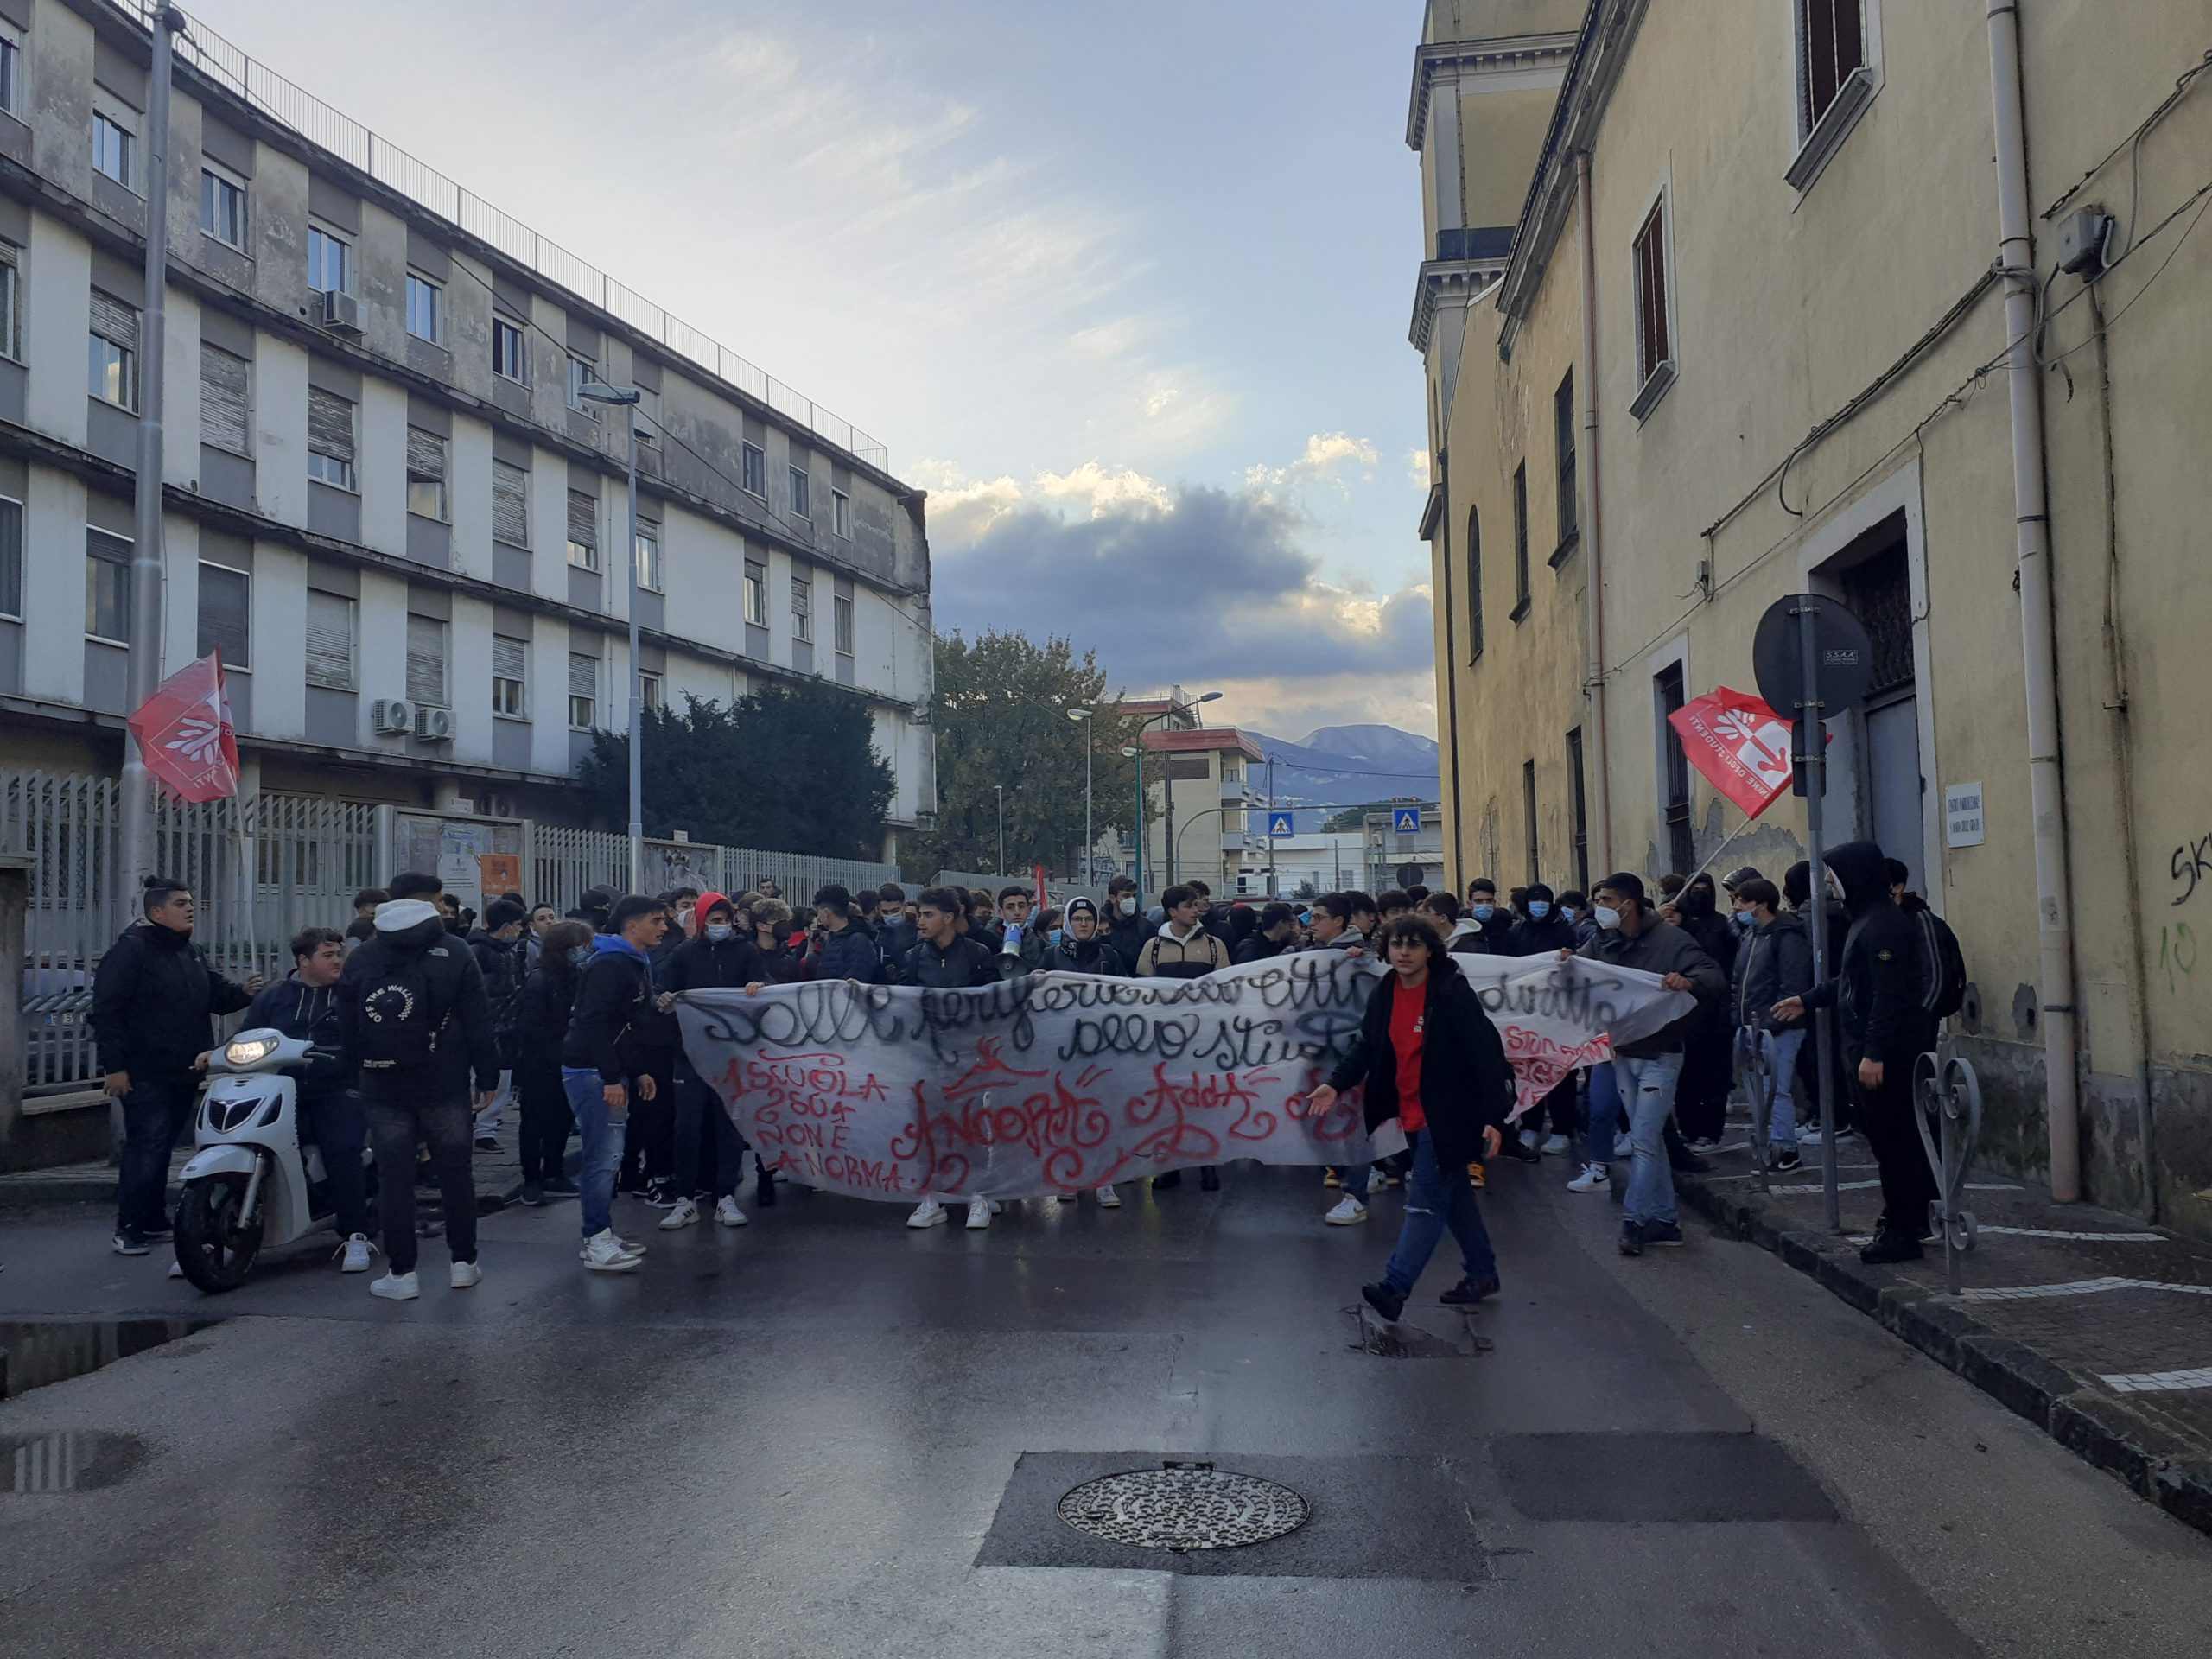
<point x="1437" y="1198"/>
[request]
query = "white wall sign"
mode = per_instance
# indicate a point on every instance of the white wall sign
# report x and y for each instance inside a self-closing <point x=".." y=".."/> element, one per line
<point x="1962" y="815"/>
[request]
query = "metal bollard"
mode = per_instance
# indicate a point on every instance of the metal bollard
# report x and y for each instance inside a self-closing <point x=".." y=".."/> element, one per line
<point x="1947" y="1091"/>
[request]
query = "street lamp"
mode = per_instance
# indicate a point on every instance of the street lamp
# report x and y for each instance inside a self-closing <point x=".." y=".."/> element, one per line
<point x="1001" y="788"/>
<point x="629" y="397"/>
<point x="1083" y="717"/>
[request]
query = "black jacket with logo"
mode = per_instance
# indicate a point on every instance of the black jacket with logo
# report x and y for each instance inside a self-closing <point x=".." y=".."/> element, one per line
<point x="465" y="1041"/>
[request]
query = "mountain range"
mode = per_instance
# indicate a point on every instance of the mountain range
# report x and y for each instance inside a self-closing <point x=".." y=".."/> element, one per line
<point x="1349" y="766"/>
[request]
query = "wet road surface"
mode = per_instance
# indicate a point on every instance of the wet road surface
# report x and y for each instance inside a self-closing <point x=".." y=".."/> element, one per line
<point x="823" y="1434"/>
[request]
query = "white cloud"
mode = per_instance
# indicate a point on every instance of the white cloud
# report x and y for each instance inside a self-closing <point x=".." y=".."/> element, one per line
<point x="1417" y="473"/>
<point x="1327" y="455"/>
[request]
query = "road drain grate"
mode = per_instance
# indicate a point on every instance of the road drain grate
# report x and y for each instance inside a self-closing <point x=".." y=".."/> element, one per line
<point x="1184" y="1506"/>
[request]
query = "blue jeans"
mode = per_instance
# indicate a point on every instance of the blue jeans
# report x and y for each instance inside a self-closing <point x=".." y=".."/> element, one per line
<point x="1601" y="1130"/>
<point x="1649" y="1086"/>
<point x="155" y="1111"/>
<point x="1436" y="1198"/>
<point x="601" y="1127"/>
<point x="696" y="1102"/>
<point x="338" y="1122"/>
<point x="1782" y="1048"/>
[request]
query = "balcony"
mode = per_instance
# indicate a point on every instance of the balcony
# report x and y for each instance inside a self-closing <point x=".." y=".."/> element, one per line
<point x="1474" y="242"/>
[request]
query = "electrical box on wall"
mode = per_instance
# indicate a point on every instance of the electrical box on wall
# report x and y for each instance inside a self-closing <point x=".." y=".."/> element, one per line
<point x="2081" y="236"/>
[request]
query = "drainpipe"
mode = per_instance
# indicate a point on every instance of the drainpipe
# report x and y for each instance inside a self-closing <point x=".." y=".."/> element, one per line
<point x="2030" y="507"/>
<point x="1593" y="683"/>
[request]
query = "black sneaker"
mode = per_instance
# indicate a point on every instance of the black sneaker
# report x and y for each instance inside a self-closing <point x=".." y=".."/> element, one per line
<point x="1690" y="1163"/>
<point x="1468" y="1292"/>
<point x="1383" y="1299"/>
<point x="1209" y="1178"/>
<point x="488" y="1143"/>
<point x="1661" y="1232"/>
<point x="560" y="1188"/>
<point x="1631" y="1238"/>
<point x="1783" y="1161"/>
<point x="129" y="1241"/>
<point x="1172" y="1178"/>
<point x="533" y="1195"/>
<point x="661" y="1195"/>
<point x="764" y="1190"/>
<point x="1891" y="1246"/>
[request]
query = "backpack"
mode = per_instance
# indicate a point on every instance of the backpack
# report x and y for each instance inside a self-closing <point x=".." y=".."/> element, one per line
<point x="1942" y="965"/>
<point x="400" y="1021"/>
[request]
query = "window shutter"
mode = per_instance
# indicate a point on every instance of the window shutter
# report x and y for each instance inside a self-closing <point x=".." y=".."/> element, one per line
<point x="223" y="614"/>
<point x="426" y="659"/>
<point x="508" y="657"/>
<point x="583" y="675"/>
<point x="426" y="454"/>
<point x="583" y="518"/>
<point x="330" y="640"/>
<point x="11" y="559"/>
<point x="114" y="322"/>
<point x="330" y="425"/>
<point x="510" y="504"/>
<point x="222" y="399"/>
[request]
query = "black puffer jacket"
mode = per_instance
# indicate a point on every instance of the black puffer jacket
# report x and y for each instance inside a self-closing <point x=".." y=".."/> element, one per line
<point x="539" y="1021"/>
<point x="1465" y="1082"/>
<point x="309" y="1011"/>
<point x="1127" y="934"/>
<point x="968" y="961"/>
<point x="1531" y="938"/>
<point x="1878" y="990"/>
<point x="153" y="995"/>
<point x="705" y="964"/>
<point x="466" y="1041"/>
<point x="1774" y="963"/>
<point x="1090" y="956"/>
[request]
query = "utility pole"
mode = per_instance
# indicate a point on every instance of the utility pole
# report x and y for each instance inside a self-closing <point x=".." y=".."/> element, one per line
<point x="147" y="562"/>
<point x="1082" y="717"/>
<point x="1001" y="788"/>
<point x="1274" y="887"/>
<point x="629" y="397"/>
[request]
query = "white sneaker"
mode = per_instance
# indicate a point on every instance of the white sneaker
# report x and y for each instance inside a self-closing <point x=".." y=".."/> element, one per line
<point x="397" y="1288"/>
<point x="603" y="1253"/>
<point x="357" y="1250"/>
<point x="928" y="1213"/>
<point x="1594" y="1178"/>
<point x="727" y="1213"/>
<point x="1108" y="1198"/>
<point x="1348" y="1211"/>
<point x="1555" y="1144"/>
<point x="683" y="1213"/>
<point x="1623" y="1146"/>
<point x="176" y="1269"/>
<point x="466" y="1275"/>
<point x="979" y="1211"/>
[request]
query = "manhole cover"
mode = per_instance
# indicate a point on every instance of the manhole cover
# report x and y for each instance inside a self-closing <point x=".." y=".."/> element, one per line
<point x="1184" y="1507"/>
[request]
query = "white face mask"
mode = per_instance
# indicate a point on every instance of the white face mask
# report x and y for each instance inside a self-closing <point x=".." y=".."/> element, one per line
<point x="1129" y="907"/>
<point x="1607" y="918"/>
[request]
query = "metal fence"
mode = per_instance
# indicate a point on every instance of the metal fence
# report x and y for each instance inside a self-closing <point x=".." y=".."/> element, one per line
<point x="227" y="66"/>
<point x="266" y="866"/>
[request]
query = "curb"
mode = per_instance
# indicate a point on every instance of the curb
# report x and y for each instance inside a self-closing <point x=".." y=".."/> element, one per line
<point x="2097" y="1428"/>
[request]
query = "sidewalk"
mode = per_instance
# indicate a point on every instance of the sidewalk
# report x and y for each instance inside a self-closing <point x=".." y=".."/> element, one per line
<point x="2087" y="1323"/>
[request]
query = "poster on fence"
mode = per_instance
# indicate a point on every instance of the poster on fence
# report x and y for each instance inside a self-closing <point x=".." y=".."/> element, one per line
<point x="1056" y="1082"/>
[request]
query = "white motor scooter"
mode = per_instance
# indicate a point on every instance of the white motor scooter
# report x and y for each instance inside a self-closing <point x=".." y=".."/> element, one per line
<point x="251" y="1186"/>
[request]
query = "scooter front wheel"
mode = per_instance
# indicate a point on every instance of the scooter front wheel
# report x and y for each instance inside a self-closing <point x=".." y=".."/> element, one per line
<point x="215" y="1253"/>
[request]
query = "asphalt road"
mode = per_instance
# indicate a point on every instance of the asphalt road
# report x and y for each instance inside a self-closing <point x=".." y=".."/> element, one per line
<point x="823" y="1436"/>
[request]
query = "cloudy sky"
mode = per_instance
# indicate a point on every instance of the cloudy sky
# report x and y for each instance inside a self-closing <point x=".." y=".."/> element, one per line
<point x="1124" y="286"/>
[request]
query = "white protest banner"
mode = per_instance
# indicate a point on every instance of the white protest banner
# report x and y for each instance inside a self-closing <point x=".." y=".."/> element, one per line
<point x="1055" y="1083"/>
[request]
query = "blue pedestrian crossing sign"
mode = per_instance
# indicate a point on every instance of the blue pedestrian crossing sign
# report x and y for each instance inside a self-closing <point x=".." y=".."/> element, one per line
<point x="1405" y="821"/>
<point x="1279" y="824"/>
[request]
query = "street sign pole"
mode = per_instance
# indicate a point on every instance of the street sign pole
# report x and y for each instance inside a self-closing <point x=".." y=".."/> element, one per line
<point x="1272" y="889"/>
<point x="1811" y="734"/>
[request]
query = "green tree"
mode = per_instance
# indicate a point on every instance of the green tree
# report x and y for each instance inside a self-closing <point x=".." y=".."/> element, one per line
<point x="1001" y="720"/>
<point x="792" y="768"/>
<point x="1352" y="818"/>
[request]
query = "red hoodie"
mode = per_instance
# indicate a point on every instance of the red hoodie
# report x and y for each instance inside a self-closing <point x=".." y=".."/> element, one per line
<point x="707" y="902"/>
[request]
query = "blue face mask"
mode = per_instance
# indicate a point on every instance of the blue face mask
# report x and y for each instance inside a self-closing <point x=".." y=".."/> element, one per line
<point x="1744" y="919"/>
<point x="719" y="931"/>
<point x="1538" y="910"/>
<point x="1058" y="935"/>
<point x="581" y="955"/>
<point x="1483" y="912"/>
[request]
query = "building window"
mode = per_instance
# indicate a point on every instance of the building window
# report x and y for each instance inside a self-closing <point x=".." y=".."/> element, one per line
<point x="330" y="438"/>
<point x="107" y="586"/>
<point x="113" y="369"/>
<point x="510" y="353"/>
<point x="330" y="262"/>
<point x="803" y="608"/>
<point x="1673" y="772"/>
<point x="1521" y="541"/>
<point x="114" y="146"/>
<point x="583" y="374"/>
<point x="583" y="530"/>
<point x="802" y="494"/>
<point x="11" y="302"/>
<point x="509" y="665"/>
<point x="841" y="513"/>
<point x="426" y="318"/>
<point x="648" y="557"/>
<point x="225" y="604"/>
<point x="1474" y="584"/>
<point x="426" y="659"/>
<point x="1528" y="815"/>
<point x="11" y="558"/>
<point x="648" y="691"/>
<point x="756" y="593"/>
<point x="1831" y="44"/>
<point x="426" y="474"/>
<point x="841" y="618"/>
<point x="648" y="415"/>
<point x="510" y="504"/>
<point x="755" y="470"/>
<point x="225" y="400"/>
<point x="11" y="73"/>
<point x="1655" y="327"/>
<point x="222" y="206"/>
<point x="584" y="692"/>
<point x="1578" y="809"/>
<point x="1563" y="448"/>
<point x="330" y="640"/>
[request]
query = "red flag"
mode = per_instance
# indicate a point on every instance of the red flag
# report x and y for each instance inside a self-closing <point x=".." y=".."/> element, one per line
<point x="184" y="731"/>
<point x="1040" y="888"/>
<point x="1739" y="744"/>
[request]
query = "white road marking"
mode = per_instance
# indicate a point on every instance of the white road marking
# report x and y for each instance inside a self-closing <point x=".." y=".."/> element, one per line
<point x="2093" y="1238"/>
<point x="2159" y="1381"/>
<point x="2078" y="1287"/>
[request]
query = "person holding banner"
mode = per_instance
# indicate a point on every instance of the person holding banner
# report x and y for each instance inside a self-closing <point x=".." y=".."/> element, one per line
<point x="945" y="958"/>
<point x="1183" y="948"/>
<point x="1431" y="1059"/>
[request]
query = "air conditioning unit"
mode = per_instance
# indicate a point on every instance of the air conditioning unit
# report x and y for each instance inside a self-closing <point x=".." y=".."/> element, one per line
<point x="434" y="725"/>
<point x="391" y="715"/>
<point x="341" y="313"/>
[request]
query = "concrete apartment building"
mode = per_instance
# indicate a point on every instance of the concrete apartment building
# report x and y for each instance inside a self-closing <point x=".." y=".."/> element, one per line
<point x="1757" y="338"/>
<point x="387" y="503"/>
<point x="1205" y="820"/>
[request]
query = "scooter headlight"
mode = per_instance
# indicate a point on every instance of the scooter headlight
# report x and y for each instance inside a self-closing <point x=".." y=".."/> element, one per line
<point x="250" y="1048"/>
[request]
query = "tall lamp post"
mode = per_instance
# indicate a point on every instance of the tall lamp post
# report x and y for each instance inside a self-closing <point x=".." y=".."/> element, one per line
<point x="629" y="397"/>
<point x="1082" y="716"/>
<point x="1001" y="788"/>
<point x="1173" y="709"/>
